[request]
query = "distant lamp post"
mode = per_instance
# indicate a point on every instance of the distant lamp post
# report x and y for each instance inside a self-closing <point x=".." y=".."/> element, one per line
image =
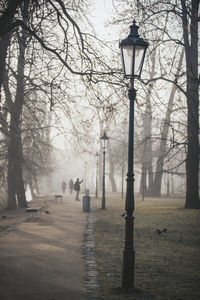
<point x="104" y="141"/>
<point x="97" y="165"/>
<point x="133" y="50"/>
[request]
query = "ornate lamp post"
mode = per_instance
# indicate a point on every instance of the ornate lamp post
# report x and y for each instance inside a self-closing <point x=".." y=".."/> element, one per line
<point x="104" y="140"/>
<point x="97" y="165"/>
<point x="133" y="50"/>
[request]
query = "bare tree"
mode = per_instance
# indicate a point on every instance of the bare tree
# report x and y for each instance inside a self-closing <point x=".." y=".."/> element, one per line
<point x="159" y="19"/>
<point x="73" y="50"/>
<point x="190" y="21"/>
<point x="147" y="153"/>
<point x="155" y="188"/>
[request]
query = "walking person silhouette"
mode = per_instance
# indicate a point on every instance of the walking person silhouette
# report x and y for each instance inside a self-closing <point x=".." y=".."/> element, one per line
<point x="77" y="188"/>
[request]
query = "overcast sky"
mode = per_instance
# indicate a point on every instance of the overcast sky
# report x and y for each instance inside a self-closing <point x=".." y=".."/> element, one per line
<point x="102" y="12"/>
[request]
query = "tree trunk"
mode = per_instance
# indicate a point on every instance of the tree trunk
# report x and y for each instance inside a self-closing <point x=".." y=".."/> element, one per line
<point x="16" y="189"/>
<point x="156" y="187"/>
<point x="36" y="183"/>
<point x="4" y="44"/>
<point x="111" y="174"/>
<point x="33" y="195"/>
<point x="6" y="19"/>
<point x="192" y="159"/>
<point x="100" y="156"/>
<point x="150" y="176"/>
<point x="147" y="148"/>
<point x="143" y="182"/>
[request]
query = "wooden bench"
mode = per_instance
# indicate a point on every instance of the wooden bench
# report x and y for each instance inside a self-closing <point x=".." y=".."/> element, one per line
<point x="58" y="198"/>
<point x="35" y="211"/>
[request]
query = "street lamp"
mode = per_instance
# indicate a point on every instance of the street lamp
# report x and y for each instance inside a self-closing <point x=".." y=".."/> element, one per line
<point x="104" y="141"/>
<point x="97" y="164"/>
<point x="133" y="50"/>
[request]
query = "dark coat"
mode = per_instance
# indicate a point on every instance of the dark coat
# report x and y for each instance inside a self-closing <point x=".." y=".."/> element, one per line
<point x="77" y="185"/>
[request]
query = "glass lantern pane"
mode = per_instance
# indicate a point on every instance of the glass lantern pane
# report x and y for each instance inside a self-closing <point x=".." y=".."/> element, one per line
<point x="128" y="59"/>
<point x="139" y="52"/>
<point x="106" y="143"/>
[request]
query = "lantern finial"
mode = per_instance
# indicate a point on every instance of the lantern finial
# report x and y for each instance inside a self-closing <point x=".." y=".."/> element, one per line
<point x="134" y="30"/>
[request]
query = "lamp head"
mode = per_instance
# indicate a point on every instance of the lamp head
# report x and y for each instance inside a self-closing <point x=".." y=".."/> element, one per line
<point x="133" y="50"/>
<point x="104" y="140"/>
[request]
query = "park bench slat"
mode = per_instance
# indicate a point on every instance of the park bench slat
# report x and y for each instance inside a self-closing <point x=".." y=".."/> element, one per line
<point x="34" y="210"/>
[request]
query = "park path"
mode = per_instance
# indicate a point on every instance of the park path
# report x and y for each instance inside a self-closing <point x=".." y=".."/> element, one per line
<point x="43" y="259"/>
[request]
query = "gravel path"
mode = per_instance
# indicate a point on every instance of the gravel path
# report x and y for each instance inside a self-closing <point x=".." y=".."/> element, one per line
<point x="42" y="259"/>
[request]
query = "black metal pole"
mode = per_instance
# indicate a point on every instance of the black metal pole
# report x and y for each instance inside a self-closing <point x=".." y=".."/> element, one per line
<point x="122" y="191"/>
<point x="128" y="266"/>
<point x="103" y="187"/>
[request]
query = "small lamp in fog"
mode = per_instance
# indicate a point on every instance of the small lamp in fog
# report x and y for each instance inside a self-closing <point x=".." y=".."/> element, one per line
<point x="104" y="144"/>
<point x="104" y="141"/>
<point x="97" y="169"/>
<point x="133" y="49"/>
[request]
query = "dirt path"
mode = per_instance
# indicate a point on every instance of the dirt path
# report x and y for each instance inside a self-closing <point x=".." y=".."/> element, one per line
<point x="42" y="259"/>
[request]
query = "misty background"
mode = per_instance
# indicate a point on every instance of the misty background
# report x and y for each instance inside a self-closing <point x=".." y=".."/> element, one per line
<point x="63" y="86"/>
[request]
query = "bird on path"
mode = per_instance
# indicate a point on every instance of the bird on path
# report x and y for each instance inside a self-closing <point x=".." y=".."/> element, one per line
<point x="47" y="212"/>
<point x="160" y="231"/>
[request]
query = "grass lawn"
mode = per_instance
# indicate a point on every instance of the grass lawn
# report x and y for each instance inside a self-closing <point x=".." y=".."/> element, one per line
<point x="167" y="265"/>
